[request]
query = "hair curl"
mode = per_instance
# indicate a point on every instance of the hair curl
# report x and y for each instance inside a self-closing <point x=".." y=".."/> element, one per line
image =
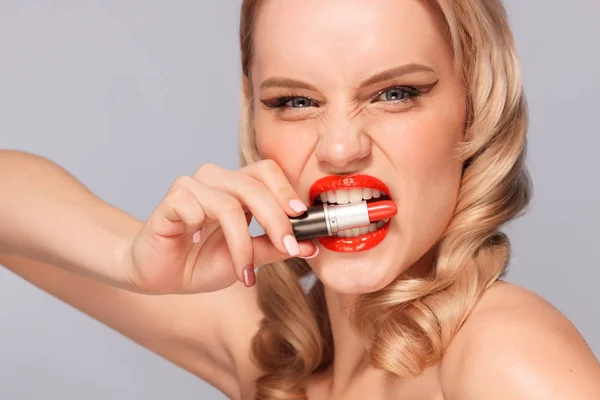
<point x="416" y="318"/>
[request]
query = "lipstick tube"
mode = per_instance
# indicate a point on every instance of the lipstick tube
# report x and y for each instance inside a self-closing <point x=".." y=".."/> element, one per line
<point x="326" y="219"/>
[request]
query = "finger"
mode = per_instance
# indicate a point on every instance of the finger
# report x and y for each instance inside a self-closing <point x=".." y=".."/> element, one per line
<point x="259" y="200"/>
<point x="180" y="212"/>
<point x="267" y="211"/>
<point x="214" y="277"/>
<point x="266" y="171"/>
<point x="228" y="212"/>
<point x="266" y="253"/>
<point x="168" y="234"/>
<point x="272" y="176"/>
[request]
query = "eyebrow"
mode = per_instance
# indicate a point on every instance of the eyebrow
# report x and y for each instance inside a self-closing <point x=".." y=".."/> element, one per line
<point x="395" y="72"/>
<point x="281" y="82"/>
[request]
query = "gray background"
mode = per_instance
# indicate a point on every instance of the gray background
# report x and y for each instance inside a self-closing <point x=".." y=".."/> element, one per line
<point x="128" y="95"/>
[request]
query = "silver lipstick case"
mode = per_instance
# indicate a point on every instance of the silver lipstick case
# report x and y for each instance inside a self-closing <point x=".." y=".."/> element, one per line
<point x="326" y="220"/>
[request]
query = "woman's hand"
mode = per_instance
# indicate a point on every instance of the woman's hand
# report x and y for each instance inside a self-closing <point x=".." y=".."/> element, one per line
<point x="197" y="239"/>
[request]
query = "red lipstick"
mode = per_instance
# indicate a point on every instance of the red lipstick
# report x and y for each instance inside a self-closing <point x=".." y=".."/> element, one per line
<point x="381" y="210"/>
<point x="375" y="209"/>
<point x="327" y="220"/>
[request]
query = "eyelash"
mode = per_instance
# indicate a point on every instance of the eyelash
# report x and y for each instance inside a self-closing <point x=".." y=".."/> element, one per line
<point x="411" y="93"/>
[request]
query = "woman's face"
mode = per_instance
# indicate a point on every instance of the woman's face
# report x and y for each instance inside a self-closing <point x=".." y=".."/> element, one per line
<point x="346" y="87"/>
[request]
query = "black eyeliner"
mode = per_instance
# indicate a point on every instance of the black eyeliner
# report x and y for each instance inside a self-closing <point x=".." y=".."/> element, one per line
<point x="280" y="101"/>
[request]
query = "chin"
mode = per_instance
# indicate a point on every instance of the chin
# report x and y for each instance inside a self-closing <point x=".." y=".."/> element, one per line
<point x="359" y="272"/>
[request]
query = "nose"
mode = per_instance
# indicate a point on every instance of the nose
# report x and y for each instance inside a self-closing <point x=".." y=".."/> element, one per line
<point x="343" y="146"/>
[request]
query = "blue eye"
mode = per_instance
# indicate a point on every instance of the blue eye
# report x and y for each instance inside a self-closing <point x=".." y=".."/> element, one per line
<point x="393" y="94"/>
<point x="399" y="95"/>
<point x="290" y="102"/>
<point x="299" y="102"/>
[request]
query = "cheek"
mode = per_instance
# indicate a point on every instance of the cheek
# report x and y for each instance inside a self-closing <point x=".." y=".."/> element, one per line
<point x="434" y="176"/>
<point x="289" y="145"/>
<point x="429" y="171"/>
<point x="424" y="147"/>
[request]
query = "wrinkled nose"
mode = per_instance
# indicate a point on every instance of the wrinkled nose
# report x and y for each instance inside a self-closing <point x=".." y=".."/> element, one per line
<point x="343" y="146"/>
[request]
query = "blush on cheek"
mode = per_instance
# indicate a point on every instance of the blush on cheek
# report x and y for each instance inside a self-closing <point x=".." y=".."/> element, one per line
<point x="423" y="152"/>
<point x="288" y="148"/>
<point x="432" y="168"/>
<point x="435" y="184"/>
<point x="424" y="147"/>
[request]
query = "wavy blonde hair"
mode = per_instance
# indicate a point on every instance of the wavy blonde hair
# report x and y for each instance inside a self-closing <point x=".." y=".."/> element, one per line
<point x="408" y="325"/>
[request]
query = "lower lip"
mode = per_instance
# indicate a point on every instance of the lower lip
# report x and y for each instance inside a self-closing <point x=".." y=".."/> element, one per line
<point x="355" y="244"/>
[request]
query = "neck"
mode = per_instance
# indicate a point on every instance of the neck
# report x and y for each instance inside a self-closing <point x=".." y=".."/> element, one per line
<point x="351" y="356"/>
<point x="350" y="351"/>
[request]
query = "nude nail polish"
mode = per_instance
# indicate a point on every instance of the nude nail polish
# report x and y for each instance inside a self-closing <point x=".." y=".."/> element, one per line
<point x="197" y="237"/>
<point x="297" y="206"/>
<point x="291" y="245"/>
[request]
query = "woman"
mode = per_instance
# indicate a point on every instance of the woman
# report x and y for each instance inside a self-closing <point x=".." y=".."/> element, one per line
<point x="419" y="100"/>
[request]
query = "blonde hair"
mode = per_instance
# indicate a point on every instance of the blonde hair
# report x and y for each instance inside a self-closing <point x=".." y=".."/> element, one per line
<point x="408" y="325"/>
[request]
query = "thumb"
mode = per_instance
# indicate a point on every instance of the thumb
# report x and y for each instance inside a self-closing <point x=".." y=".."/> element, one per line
<point x="265" y="252"/>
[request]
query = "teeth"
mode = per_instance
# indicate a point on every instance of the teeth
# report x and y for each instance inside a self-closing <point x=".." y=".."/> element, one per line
<point x="345" y="233"/>
<point x="354" y="232"/>
<point x="355" y="195"/>
<point x="342" y="197"/>
<point x="381" y="223"/>
<point x="331" y="197"/>
<point x="349" y="196"/>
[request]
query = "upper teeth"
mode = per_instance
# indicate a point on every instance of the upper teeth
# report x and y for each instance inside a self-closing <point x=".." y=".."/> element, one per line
<point x="349" y="196"/>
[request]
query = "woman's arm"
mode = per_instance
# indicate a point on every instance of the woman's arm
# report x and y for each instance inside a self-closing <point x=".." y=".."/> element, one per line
<point x="195" y="241"/>
<point x="49" y="219"/>
<point x="49" y="216"/>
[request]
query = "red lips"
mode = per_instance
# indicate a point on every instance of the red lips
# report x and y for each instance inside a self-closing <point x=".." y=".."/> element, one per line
<point x="347" y="182"/>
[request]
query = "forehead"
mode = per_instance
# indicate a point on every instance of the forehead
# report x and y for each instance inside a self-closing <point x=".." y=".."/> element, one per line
<point x="350" y="38"/>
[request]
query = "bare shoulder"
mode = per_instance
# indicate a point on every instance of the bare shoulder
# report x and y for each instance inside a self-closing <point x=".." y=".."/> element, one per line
<point x="516" y="345"/>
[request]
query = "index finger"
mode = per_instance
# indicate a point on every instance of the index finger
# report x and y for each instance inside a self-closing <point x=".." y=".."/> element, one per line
<point x="271" y="175"/>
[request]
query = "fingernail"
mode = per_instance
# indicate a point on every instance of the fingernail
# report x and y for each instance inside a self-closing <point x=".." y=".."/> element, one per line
<point x="291" y="245"/>
<point x="313" y="255"/>
<point x="249" y="276"/>
<point x="297" y="206"/>
<point x="197" y="237"/>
